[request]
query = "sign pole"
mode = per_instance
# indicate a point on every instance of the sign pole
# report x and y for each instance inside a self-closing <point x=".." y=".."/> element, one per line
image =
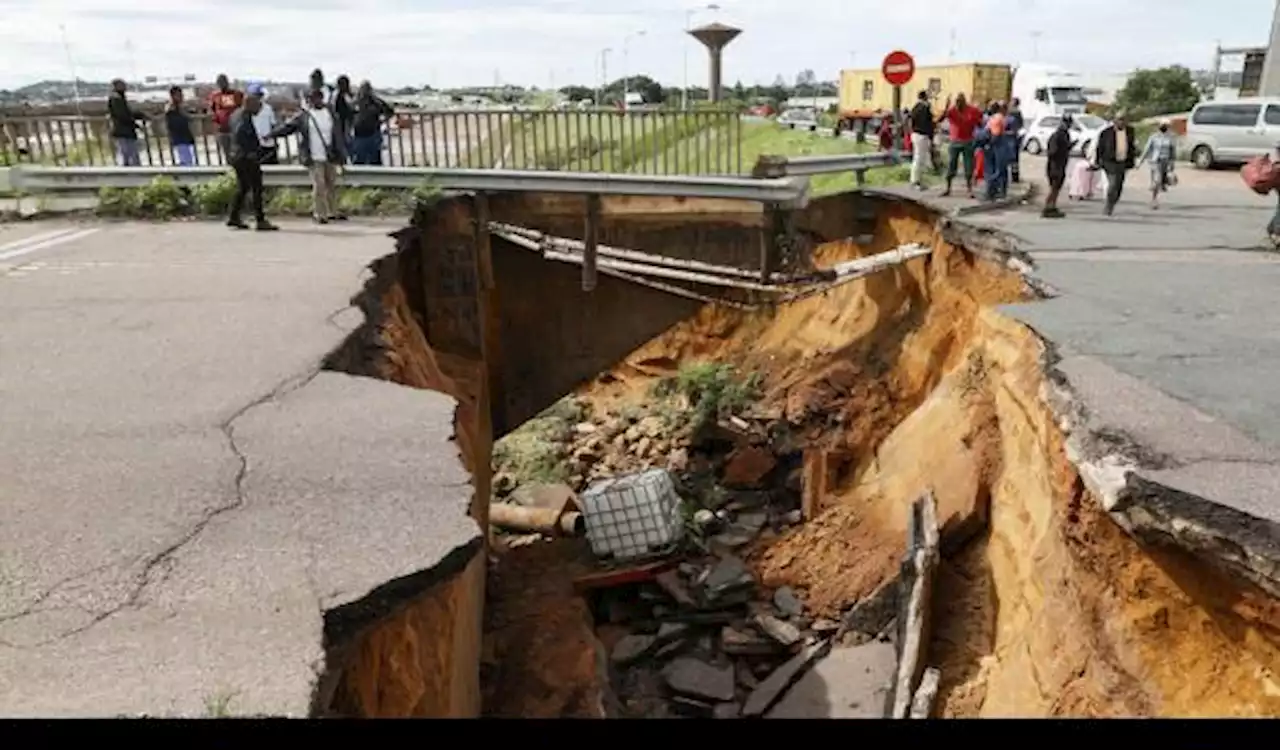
<point x="898" y="69"/>
<point x="897" y="119"/>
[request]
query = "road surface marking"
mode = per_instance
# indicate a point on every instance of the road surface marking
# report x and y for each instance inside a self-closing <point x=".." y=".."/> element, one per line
<point x="43" y="242"/>
<point x="36" y="238"/>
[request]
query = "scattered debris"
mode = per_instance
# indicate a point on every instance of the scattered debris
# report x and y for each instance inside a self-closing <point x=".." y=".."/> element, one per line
<point x="773" y="686"/>
<point x="545" y="521"/>
<point x="926" y="695"/>
<point x="621" y="576"/>
<point x="848" y="683"/>
<point x="748" y="466"/>
<point x="782" y="632"/>
<point x="787" y="602"/>
<point x="632" y="647"/>
<point x="694" y="678"/>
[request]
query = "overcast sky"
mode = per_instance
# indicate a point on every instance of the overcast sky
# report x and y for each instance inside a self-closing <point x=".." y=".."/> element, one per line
<point x="538" y="42"/>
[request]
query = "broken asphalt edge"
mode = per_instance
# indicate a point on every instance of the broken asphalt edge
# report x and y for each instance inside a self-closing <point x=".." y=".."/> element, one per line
<point x="1238" y="543"/>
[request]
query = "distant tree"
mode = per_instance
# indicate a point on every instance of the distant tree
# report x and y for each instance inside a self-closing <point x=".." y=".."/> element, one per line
<point x="1162" y="91"/>
<point x="739" y="91"/>
<point x="578" y="93"/>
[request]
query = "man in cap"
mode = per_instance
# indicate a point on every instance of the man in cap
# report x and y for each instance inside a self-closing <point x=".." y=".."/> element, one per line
<point x="245" y="155"/>
<point x="264" y="122"/>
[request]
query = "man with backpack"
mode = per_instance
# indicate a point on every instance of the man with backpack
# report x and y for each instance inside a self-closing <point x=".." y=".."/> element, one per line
<point x="322" y="150"/>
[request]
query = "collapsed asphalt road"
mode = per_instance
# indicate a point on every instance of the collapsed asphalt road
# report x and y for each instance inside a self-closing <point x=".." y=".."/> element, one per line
<point x="186" y="494"/>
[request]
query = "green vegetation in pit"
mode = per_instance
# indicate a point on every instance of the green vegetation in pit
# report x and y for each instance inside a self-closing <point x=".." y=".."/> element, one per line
<point x="707" y="391"/>
<point x="164" y="199"/>
<point x="538" y="450"/>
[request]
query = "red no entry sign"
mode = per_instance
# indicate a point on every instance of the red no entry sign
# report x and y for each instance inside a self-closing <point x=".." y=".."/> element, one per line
<point x="898" y="68"/>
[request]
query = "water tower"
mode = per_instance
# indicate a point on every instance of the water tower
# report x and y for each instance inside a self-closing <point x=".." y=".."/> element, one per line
<point x="715" y="36"/>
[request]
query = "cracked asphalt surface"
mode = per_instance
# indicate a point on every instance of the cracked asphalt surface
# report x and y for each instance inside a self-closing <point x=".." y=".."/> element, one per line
<point x="184" y="491"/>
<point x="1167" y="324"/>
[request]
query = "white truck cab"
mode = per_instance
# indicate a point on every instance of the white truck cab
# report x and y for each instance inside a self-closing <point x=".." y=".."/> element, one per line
<point x="1048" y="90"/>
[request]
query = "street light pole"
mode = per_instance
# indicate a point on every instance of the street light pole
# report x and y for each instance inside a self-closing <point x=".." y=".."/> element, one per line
<point x="75" y="79"/>
<point x="604" y="75"/>
<point x="688" y="26"/>
<point x="626" y="67"/>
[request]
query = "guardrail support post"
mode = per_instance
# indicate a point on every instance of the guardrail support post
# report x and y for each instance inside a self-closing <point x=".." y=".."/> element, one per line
<point x="591" y="237"/>
<point x="777" y="242"/>
<point x="861" y="176"/>
<point x="770" y="167"/>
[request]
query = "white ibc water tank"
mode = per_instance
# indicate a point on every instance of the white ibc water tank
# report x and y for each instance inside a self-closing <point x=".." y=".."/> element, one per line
<point x="633" y="515"/>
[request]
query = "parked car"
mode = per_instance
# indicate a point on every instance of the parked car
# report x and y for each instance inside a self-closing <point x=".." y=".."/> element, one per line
<point x="1232" y="132"/>
<point x="1084" y="131"/>
<point x="804" y="118"/>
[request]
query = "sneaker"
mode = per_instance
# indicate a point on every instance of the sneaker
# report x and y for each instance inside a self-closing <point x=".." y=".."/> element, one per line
<point x="265" y="226"/>
<point x="237" y="224"/>
<point x="319" y="220"/>
<point x="338" y="217"/>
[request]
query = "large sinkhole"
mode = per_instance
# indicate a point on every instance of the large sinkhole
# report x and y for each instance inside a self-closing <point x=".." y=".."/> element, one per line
<point x="800" y="435"/>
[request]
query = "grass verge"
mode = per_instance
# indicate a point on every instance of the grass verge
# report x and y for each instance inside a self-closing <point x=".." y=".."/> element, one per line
<point x="164" y="199"/>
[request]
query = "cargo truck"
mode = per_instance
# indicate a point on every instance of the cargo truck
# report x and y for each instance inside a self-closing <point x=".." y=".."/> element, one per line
<point x="865" y="96"/>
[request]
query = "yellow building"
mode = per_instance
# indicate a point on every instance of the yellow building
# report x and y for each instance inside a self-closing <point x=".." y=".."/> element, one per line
<point x="865" y="92"/>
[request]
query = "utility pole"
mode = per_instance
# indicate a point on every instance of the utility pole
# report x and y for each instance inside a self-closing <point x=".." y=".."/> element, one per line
<point x="133" y="64"/>
<point x="1035" y="45"/>
<point x="951" y="52"/>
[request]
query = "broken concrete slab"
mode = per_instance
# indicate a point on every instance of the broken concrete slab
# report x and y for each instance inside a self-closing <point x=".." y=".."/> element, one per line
<point x="783" y="632"/>
<point x="848" y="683"/>
<point x="927" y="694"/>
<point x="772" y="687"/>
<point x="913" y="617"/>
<point x="631" y="648"/>
<point x="692" y="677"/>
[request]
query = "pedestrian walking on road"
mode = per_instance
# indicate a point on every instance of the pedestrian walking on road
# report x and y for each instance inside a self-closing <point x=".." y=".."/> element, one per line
<point x="245" y="155"/>
<point x="322" y="151"/>
<point x="1014" y="125"/>
<point x="366" y="126"/>
<point x="1057" y="156"/>
<point x="223" y="102"/>
<point x="1160" y="152"/>
<point x="962" y="120"/>
<point x="181" y="140"/>
<point x="1115" y="154"/>
<point x="124" y="125"/>
<point x="922" y="131"/>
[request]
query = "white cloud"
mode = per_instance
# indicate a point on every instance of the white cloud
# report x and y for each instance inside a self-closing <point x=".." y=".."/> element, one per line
<point x="453" y="42"/>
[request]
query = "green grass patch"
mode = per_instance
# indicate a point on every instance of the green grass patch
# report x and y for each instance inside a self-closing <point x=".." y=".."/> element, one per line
<point x="535" y="452"/>
<point x="711" y="390"/>
<point x="164" y="199"/>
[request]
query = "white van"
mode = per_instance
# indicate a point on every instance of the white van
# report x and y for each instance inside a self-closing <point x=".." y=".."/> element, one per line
<point x="1232" y="132"/>
<point x="1047" y="90"/>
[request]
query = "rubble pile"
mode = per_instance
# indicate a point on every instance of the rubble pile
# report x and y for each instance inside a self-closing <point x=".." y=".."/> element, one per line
<point x="700" y="638"/>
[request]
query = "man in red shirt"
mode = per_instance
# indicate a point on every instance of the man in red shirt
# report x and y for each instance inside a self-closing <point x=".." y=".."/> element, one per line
<point x="222" y="102"/>
<point x="963" y="120"/>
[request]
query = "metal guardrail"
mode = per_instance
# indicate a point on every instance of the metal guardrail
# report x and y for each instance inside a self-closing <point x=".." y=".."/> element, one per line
<point x="805" y="166"/>
<point x="789" y="191"/>
<point x="636" y="141"/>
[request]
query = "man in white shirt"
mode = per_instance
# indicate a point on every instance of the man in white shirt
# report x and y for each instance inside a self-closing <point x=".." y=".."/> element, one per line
<point x="322" y="150"/>
<point x="264" y="122"/>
